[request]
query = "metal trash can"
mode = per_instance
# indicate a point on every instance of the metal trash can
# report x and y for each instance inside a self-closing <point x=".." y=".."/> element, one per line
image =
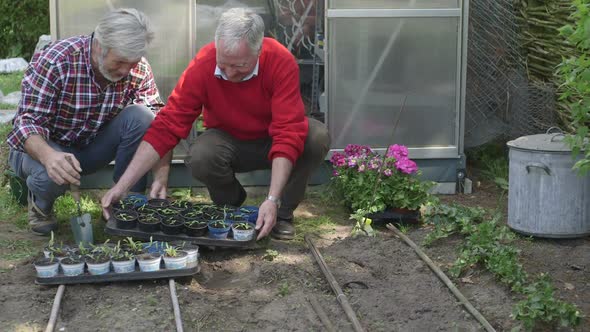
<point x="546" y="198"/>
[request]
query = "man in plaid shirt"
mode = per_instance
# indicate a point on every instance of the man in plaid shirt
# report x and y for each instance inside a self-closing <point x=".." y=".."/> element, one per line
<point x="86" y="101"/>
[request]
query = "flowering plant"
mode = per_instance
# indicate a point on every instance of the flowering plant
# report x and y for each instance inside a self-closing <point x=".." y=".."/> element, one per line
<point x="357" y="170"/>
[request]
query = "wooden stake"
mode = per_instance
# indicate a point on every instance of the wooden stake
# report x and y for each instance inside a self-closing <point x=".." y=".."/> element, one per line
<point x="335" y="287"/>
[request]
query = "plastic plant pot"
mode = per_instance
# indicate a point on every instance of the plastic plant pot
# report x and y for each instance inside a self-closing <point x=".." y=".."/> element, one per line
<point x="218" y="229"/>
<point x="126" y="219"/>
<point x="181" y="205"/>
<point x="149" y="262"/>
<point x="156" y="247"/>
<point x="149" y="223"/>
<point x="172" y="225"/>
<point x="46" y="267"/>
<point x="72" y="267"/>
<point x="195" y="228"/>
<point x="192" y="258"/>
<point x="250" y="211"/>
<point x="136" y="200"/>
<point x="145" y="209"/>
<point x="178" y="262"/>
<point x="157" y="203"/>
<point x="168" y="212"/>
<point x="212" y="212"/>
<point x="243" y="231"/>
<point x="124" y="266"/>
<point x="121" y="205"/>
<point x="99" y="266"/>
<point x="192" y="251"/>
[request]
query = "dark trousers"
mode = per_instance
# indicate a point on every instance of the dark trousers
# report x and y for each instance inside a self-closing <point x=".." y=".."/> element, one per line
<point x="117" y="141"/>
<point x="216" y="156"/>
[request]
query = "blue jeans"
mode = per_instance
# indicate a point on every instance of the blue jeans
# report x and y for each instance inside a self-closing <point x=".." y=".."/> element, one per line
<point x="117" y="141"/>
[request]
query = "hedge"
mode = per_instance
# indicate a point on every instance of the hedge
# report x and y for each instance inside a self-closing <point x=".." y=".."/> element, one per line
<point x="21" y="24"/>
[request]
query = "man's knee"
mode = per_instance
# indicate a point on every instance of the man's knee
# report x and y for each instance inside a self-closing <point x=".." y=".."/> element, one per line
<point x="206" y="160"/>
<point x="139" y="117"/>
<point x="318" y="141"/>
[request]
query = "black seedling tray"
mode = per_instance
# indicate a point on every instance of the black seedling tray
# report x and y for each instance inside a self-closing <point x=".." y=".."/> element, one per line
<point x="87" y="278"/>
<point x="112" y="229"/>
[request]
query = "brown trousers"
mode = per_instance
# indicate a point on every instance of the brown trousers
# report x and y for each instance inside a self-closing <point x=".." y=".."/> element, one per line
<point x="215" y="157"/>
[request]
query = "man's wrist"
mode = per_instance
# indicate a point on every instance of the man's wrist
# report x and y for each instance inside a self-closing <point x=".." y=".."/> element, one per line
<point x="274" y="199"/>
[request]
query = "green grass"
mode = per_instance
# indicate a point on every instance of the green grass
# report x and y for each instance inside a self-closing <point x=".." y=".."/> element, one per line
<point x="4" y="106"/>
<point x="316" y="226"/>
<point x="10" y="210"/>
<point x="18" y="249"/>
<point x="10" y="82"/>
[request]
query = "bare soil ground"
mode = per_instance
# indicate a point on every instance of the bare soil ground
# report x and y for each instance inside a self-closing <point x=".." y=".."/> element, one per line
<point x="387" y="284"/>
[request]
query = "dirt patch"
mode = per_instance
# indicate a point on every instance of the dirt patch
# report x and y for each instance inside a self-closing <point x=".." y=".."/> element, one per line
<point x="389" y="287"/>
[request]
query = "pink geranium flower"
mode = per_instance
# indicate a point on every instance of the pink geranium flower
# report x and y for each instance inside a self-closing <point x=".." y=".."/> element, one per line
<point x="397" y="151"/>
<point x="406" y="166"/>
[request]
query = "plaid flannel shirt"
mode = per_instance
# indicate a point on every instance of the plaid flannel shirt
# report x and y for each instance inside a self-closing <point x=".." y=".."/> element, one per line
<point x="62" y="102"/>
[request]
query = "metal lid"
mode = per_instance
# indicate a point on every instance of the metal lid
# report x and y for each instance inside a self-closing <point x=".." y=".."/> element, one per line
<point x="550" y="142"/>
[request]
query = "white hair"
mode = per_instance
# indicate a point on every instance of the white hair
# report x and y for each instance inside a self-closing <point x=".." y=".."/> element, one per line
<point x="127" y="31"/>
<point x="239" y="24"/>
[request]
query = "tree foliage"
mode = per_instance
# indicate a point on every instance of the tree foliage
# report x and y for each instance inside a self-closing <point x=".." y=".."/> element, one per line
<point x="575" y="74"/>
<point x="21" y="24"/>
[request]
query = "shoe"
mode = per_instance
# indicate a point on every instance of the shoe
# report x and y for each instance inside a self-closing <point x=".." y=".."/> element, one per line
<point x="283" y="230"/>
<point x="41" y="223"/>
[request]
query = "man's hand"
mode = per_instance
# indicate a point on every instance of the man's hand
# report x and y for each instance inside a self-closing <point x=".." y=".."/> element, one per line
<point x="111" y="196"/>
<point x="267" y="218"/>
<point x="62" y="167"/>
<point x="158" y="189"/>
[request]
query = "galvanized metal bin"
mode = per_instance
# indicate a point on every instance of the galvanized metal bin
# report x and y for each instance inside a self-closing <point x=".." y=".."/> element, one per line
<point x="546" y="198"/>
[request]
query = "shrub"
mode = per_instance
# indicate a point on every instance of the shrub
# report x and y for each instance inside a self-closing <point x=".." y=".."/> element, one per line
<point x="21" y="24"/>
<point x="575" y="74"/>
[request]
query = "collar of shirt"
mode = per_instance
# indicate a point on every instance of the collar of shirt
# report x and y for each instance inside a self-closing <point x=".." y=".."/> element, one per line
<point x="220" y="74"/>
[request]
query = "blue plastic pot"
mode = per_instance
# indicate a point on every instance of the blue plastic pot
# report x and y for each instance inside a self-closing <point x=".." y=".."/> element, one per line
<point x="218" y="233"/>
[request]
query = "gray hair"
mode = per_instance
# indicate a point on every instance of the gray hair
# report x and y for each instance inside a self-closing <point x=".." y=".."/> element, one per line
<point x="238" y="24"/>
<point x="127" y="31"/>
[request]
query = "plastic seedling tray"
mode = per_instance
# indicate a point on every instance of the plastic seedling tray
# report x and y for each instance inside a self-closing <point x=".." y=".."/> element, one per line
<point x="112" y="229"/>
<point x="87" y="278"/>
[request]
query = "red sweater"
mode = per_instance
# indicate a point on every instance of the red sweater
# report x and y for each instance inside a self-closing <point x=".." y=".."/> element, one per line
<point x="266" y="105"/>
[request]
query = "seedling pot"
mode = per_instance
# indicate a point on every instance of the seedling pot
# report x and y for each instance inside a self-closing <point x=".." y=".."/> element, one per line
<point x="157" y="203"/>
<point x="149" y="262"/>
<point x="137" y="200"/>
<point x="98" y="268"/>
<point x="181" y="205"/>
<point x="125" y="266"/>
<point x="195" y="229"/>
<point x="192" y="251"/>
<point x="149" y="226"/>
<point x="178" y="262"/>
<point x="72" y="267"/>
<point x="64" y="252"/>
<point x="155" y="247"/>
<point x="46" y="267"/>
<point x="243" y="234"/>
<point x="126" y="219"/>
<point x="218" y="232"/>
<point x="172" y="225"/>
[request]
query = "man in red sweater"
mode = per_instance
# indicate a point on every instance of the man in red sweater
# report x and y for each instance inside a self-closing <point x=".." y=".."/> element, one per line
<point x="247" y="88"/>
